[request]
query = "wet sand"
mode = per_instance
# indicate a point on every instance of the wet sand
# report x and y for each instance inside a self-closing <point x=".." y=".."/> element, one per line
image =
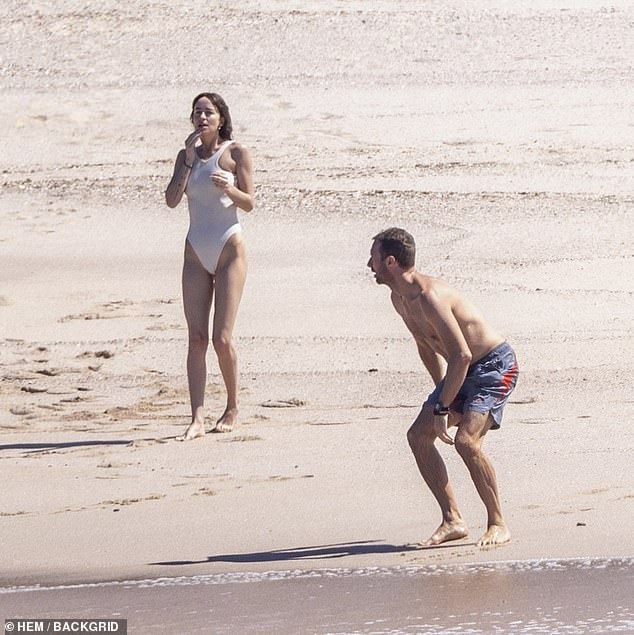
<point x="554" y="597"/>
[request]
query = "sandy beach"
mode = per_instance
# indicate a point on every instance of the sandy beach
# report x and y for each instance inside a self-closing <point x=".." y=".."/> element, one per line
<point x="501" y="135"/>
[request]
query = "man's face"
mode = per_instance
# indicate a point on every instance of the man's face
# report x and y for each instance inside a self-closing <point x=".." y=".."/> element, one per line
<point x="377" y="265"/>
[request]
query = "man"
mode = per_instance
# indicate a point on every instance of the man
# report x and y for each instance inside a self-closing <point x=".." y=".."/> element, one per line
<point x="474" y="370"/>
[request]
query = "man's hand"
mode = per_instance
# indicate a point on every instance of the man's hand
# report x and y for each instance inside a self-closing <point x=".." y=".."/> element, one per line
<point x="440" y="427"/>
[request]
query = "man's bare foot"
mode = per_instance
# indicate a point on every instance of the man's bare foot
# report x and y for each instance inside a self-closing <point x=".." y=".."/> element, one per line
<point x="446" y="532"/>
<point x="495" y="535"/>
<point x="196" y="429"/>
<point x="227" y="422"/>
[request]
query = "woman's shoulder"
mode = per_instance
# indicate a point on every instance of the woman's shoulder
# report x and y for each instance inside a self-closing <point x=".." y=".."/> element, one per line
<point x="239" y="152"/>
<point x="237" y="146"/>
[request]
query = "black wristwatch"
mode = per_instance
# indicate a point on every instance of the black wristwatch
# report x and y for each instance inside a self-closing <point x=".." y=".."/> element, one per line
<point x="440" y="410"/>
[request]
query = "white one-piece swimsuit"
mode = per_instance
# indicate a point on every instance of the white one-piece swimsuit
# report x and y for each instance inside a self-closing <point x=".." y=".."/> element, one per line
<point x="213" y="216"/>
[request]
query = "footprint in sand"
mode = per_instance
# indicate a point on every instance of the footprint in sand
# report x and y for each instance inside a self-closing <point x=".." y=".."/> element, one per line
<point x="21" y="412"/>
<point x="106" y="311"/>
<point x="329" y="423"/>
<point x="240" y="439"/>
<point x="49" y="372"/>
<point x="165" y="327"/>
<point x="131" y="501"/>
<point x="120" y="309"/>
<point x="293" y="402"/>
<point x="204" y="491"/>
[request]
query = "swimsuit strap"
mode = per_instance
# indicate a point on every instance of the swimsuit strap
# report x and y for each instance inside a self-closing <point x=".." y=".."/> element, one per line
<point x="220" y="151"/>
<point x="223" y="146"/>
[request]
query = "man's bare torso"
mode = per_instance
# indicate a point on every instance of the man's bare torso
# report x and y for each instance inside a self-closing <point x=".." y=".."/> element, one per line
<point x="433" y="299"/>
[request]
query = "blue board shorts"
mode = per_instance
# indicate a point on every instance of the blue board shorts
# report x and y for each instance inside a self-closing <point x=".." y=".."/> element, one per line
<point x="487" y="386"/>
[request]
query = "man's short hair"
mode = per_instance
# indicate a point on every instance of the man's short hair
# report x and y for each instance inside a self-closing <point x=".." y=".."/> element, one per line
<point x="398" y="243"/>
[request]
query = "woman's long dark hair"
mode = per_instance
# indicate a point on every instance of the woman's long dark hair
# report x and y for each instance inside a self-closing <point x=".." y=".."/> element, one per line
<point x="226" y="130"/>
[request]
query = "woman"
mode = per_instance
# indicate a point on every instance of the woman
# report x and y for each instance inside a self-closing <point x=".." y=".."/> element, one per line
<point x="216" y="174"/>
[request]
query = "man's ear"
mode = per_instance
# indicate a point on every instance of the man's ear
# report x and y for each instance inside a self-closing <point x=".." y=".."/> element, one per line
<point x="390" y="261"/>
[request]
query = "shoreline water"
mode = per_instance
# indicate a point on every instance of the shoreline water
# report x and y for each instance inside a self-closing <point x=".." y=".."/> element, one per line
<point x="580" y="595"/>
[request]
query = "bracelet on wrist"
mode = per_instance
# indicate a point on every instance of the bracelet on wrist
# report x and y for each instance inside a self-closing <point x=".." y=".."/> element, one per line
<point x="187" y="166"/>
<point x="440" y="410"/>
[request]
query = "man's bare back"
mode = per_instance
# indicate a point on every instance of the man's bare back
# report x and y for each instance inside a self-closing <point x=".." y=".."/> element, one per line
<point x="431" y="293"/>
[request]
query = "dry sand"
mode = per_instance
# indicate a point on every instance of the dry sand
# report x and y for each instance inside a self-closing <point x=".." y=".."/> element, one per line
<point x="499" y="133"/>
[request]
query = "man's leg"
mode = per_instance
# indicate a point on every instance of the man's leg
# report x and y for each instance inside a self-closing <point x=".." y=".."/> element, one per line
<point x="468" y="442"/>
<point x="421" y="437"/>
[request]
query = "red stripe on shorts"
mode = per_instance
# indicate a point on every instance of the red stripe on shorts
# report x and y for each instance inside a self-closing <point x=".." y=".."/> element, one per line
<point x="508" y="380"/>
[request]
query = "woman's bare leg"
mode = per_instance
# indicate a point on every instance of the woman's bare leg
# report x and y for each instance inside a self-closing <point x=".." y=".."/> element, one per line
<point x="198" y="291"/>
<point x="229" y="282"/>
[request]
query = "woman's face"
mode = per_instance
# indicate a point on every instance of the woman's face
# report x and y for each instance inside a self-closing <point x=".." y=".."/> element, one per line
<point x="205" y="116"/>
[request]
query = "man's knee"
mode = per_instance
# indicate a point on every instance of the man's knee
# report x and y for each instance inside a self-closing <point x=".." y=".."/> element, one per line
<point x="466" y="445"/>
<point x="468" y="439"/>
<point x="422" y="430"/>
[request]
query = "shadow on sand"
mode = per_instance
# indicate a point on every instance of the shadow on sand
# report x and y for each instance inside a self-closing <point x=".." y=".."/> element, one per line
<point x="302" y="553"/>
<point x="51" y="445"/>
<point x="39" y="447"/>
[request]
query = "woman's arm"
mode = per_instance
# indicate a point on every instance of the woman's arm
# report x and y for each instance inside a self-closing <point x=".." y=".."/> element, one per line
<point x="243" y="192"/>
<point x="182" y="168"/>
<point x="176" y="187"/>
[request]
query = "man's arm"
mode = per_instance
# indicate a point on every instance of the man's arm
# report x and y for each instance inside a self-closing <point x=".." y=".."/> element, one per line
<point x="433" y="362"/>
<point x="440" y="315"/>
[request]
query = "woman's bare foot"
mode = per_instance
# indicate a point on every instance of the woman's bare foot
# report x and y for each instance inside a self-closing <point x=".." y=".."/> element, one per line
<point x="227" y="422"/>
<point x="495" y="535"/>
<point x="446" y="532"/>
<point x="196" y="429"/>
